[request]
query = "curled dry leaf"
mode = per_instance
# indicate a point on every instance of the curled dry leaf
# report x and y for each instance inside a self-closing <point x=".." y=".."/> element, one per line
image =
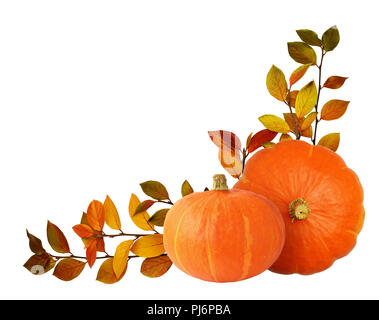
<point x="112" y="217"/>
<point x="285" y="137"/>
<point x="274" y="123"/>
<point x="299" y="73"/>
<point x="35" y="244"/>
<point x="106" y="274"/>
<point x="310" y="37"/>
<point x="141" y="219"/>
<point x="334" y="82"/>
<point x="186" y="188"/>
<point x="120" y="260"/>
<point x="159" y="217"/>
<point x="223" y="138"/>
<point x="148" y="246"/>
<point x="96" y="215"/>
<point x="306" y="99"/>
<point x="276" y="83"/>
<point x="302" y="53"/>
<point x="231" y="161"/>
<point x="68" y="269"/>
<point x="330" y="38"/>
<point x="334" y="109"/>
<point x="155" y="190"/>
<point x="259" y="138"/>
<point x="143" y="206"/>
<point x="331" y="141"/>
<point x="156" y="267"/>
<point x="57" y="239"/>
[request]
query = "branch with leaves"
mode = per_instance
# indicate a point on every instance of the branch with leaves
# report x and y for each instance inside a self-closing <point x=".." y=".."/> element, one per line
<point x="303" y="117"/>
<point x="147" y="245"/>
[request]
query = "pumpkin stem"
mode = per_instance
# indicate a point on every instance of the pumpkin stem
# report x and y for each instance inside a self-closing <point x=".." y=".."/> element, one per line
<point x="298" y="209"/>
<point x="219" y="182"/>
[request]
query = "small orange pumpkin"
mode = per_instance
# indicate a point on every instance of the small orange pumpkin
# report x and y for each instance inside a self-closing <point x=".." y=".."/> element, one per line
<point x="223" y="235"/>
<point x="321" y="201"/>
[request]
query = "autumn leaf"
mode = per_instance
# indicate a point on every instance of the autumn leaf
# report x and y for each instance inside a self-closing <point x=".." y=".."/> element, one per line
<point x="156" y="267"/>
<point x="84" y="219"/>
<point x="35" y="244"/>
<point x="299" y="73"/>
<point x="334" y="82"/>
<point x="292" y="98"/>
<point x="186" y="188"/>
<point x="159" y="217"/>
<point x="274" y="123"/>
<point x="143" y="206"/>
<point x="230" y="161"/>
<point x="148" y="246"/>
<point x="40" y="264"/>
<point x="306" y="99"/>
<point x="112" y="217"/>
<point x="91" y="252"/>
<point x="223" y="138"/>
<point x="68" y="269"/>
<point x="106" y="274"/>
<point x="268" y="144"/>
<point x="290" y="118"/>
<point x="259" y="138"/>
<point x="141" y="219"/>
<point x="276" y="83"/>
<point x="96" y="215"/>
<point x="310" y="37"/>
<point x="285" y="137"/>
<point x="120" y="260"/>
<point x="330" y="38"/>
<point x="334" y="109"/>
<point x="155" y="190"/>
<point x="308" y="120"/>
<point x="302" y="53"/>
<point x="248" y="140"/>
<point x="57" y="239"/>
<point x="331" y="141"/>
<point x="308" y="133"/>
<point x="83" y="231"/>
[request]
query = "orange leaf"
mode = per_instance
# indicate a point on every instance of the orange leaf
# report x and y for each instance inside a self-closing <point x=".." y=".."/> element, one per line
<point x="308" y="133"/>
<point x="289" y="119"/>
<point x="225" y="138"/>
<point x="120" y="260"/>
<point x="299" y="73"/>
<point x="106" y="274"/>
<point x="231" y="161"/>
<point x="140" y="219"/>
<point x="68" y="269"/>
<point x="96" y="215"/>
<point x="276" y="83"/>
<point x="334" y="109"/>
<point x="285" y="137"/>
<point x="155" y="267"/>
<point x="334" y="82"/>
<point x="83" y="231"/>
<point x="148" y="246"/>
<point x="91" y="247"/>
<point x="259" y="138"/>
<point x="57" y="239"/>
<point x="292" y="97"/>
<point x="100" y="245"/>
<point x="308" y="120"/>
<point x="331" y="141"/>
<point x="112" y="217"/>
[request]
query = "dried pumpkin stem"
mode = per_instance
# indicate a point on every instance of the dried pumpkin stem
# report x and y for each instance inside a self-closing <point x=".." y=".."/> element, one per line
<point x="298" y="209"/>
<point x="219" y="182"/>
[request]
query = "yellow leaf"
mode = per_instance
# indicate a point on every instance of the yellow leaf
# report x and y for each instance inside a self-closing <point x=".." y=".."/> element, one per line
<point x="106" y="274"/>
<point x="285" y="137"/>
<point x="231" y="161"/>
<point x="149" y="246"/>
<point x="308" y="133"/>
<point x="277" y="84"/>
<point x="141" y="219"/>
<point x="308" y="120"/>
<point x="299" y="73"/>
<point x="331" y="141"/>
<point x="306" y="99"/>
<point x="155" y="267"/>
<point x="334" y="109"/>
<point x="268" y="144"/>
<point x="274" y="123"/>
<point x="121" y="255"/>
<point x="112" y="217"/>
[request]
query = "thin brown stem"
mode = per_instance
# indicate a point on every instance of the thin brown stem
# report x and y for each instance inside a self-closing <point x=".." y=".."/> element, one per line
<point x="166" y="202"/>
<point x="122" y="234"/>
<point x="244" y="156"/>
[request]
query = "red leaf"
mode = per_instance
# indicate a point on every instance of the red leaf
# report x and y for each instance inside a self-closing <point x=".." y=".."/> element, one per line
<point x="225" y="138"/>
<point x="96" y="215"/>
<point x="259" y="138"/>
<point x="91" y="252"/>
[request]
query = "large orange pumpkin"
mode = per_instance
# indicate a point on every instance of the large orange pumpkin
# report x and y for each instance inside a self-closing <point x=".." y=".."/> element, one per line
<point x="321" y="201"/>
<point x="223" y="235"/>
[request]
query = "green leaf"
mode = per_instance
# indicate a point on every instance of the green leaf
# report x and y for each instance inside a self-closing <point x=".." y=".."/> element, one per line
<point x="310" y="37"/>
<point x="155" y="189"/>
<point x="35" y="244"/>
<point x="302" y="53"/>
<point x="330" y="38"/>
<point x="159" y="217"/>
<point x="186" y="188"/>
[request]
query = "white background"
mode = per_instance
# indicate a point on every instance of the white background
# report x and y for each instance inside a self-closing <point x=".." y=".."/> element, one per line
<point x="98" y="96"/>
